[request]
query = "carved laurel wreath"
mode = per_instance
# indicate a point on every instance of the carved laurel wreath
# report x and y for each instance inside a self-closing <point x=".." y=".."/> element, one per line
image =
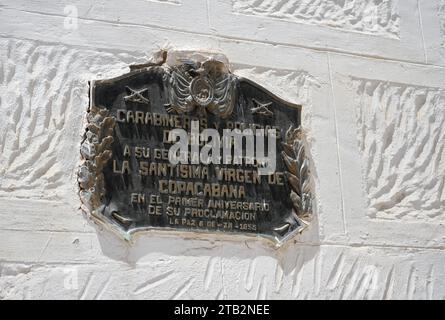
<point x="297" y="174"/>
<point x="95" y="151"/>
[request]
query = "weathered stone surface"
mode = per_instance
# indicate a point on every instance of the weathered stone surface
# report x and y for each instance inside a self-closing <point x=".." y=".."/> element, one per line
<point x="332" y="272"/>
<point x="43" y="99"/>
<point x="367" y="16"/>
<point x="401" y="130"/>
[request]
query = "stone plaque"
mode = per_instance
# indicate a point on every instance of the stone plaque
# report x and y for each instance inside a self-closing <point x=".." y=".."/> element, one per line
<point x="128" y="182"/>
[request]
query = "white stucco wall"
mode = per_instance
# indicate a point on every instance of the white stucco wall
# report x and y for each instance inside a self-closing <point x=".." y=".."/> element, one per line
<point x="370" y="75"/>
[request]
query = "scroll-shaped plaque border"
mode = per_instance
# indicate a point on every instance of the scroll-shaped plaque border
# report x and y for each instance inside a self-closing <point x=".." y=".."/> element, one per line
<point x="96" y="151"/>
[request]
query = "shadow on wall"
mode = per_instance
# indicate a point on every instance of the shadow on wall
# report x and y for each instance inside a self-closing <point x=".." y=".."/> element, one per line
<point x="179" y="244"/>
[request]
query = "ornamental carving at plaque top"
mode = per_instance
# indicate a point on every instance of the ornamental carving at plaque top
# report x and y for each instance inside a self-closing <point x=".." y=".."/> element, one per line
<point x="126" y="178"/>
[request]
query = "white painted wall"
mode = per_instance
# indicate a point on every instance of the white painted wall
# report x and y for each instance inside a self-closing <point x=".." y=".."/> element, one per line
<point x="370" y="74"/>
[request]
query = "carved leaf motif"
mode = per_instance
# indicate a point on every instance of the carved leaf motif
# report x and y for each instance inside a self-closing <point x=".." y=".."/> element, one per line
<point x="96" y="152"/>
<point x="306" y="187"/>
<point x="300" y="153"/>
<point x="87" y="150"/>
<point x="296" y="201"/>
<point x="303" y="169"/>
<point x="287" y="149"/>
<point x="93" y="128"/>
<point x="297" y="175"/>
<point x="291" y="164"/>
<point x="294" y="182"/>
<point x="105" y="144"/>
<point x="107" y="126"/>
